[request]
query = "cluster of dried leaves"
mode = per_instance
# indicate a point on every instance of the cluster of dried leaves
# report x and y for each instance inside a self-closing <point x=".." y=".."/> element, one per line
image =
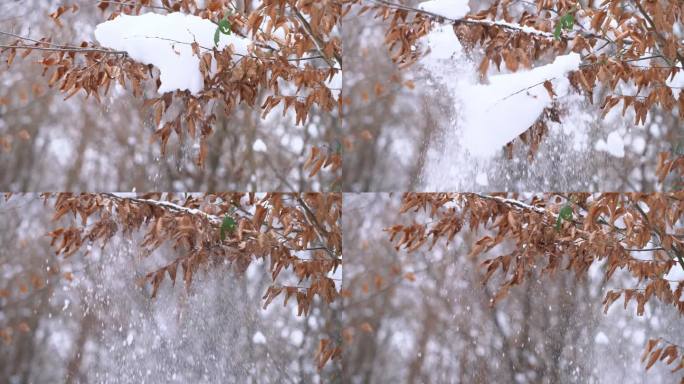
<point x="666" y="351"/>
<point x="641" y="236"/>
<point x="626" y="46"/>
<point x="302" y="60"/>
<point x="325" y="157"/>
<point x="297" y="235"/>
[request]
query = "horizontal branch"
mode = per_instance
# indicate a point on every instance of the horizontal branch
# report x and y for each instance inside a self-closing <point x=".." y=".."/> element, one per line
<point x="42" y="45"/>
<point x="56" y="49"/>
<point x="216" y="220"/>
<point x="674" y="252"/>
<point x="125" y="4"/>
<point x="168" y="205"/>
<point x="51" y="47"/>
<point x="492" y="23"/>
<point x="517" y="204"/>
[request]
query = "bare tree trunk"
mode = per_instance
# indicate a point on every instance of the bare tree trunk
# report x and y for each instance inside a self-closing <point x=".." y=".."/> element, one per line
<point x="428" y="129"/>
<point x="75" y="171"/>
<point x="74" y="374"/>
<point x="417" y="364"/>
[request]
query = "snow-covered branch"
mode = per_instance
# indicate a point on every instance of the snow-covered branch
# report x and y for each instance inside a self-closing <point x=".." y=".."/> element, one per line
<point x="168" y="206"/>
<point x="517" y="204"/>
<point x="43" y="45"/>
<point x="491" y="23"/>
<point x="465" y="20"/>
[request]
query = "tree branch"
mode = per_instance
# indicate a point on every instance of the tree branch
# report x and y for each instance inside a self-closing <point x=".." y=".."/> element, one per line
<point x="491" y="23"/>
<point x="652" y="26"/>
<point x="168" y="205"/>
<point x="320" y="231"/>
<point x="517" y="204"/>
<point x="55" y="47"/>
<point x="316" y="40"/>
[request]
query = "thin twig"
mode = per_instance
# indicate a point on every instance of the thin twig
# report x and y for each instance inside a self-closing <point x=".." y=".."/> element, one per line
<point x="54" y="47"/>
<point x="123" y="3"/>
<point x="316" y="40"/>
<point x="77" y="50"/>
<point x="320" y="231"/>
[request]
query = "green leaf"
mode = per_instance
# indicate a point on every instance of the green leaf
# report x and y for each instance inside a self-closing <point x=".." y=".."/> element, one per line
<point x="224" y="26"/>
<point x="557" y="32"/>
<point x="566" y="22"/>
<point x="564" y="214"/>
<point x="227" y="226"/>
<point x="338" y="147"/>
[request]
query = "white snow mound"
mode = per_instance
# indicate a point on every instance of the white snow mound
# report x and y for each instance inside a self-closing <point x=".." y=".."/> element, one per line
<point x="450" y="9"/>
<point x="165" y="42"/>
<point x="494" y="114"/>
